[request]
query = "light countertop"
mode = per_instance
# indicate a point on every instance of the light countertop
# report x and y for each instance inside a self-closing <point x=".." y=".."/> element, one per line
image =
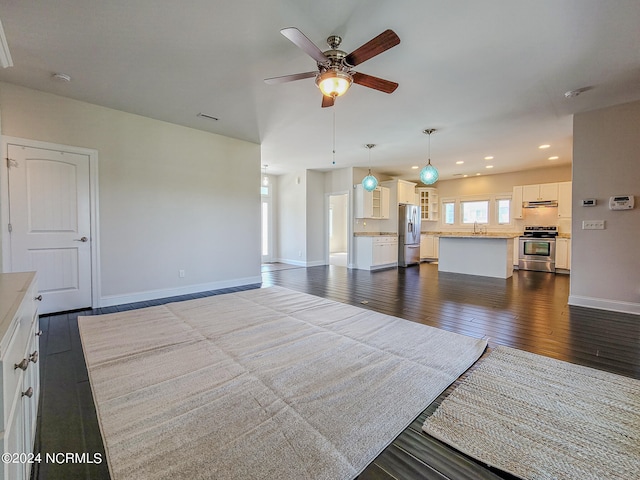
<point x="375" y="234"/>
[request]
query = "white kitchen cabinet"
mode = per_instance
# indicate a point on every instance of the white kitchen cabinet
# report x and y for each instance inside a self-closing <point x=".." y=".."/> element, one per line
<point x="19" y="346"/>
<point x="516" y="251"/>
<point x="428" y="247"/>
<point x="536" y="193"/>
<point x="376" y="252"/>
<point x="564" y="200"/>
<point x="563" y="253"/>
<point x="516" y="202"/>
<point x="428" y="201"/>
<point x="374" y="204"/>
<point x="406" y="192"/>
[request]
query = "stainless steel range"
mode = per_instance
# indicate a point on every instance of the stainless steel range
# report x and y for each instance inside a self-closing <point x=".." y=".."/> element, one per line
<point x="537" y="248"/>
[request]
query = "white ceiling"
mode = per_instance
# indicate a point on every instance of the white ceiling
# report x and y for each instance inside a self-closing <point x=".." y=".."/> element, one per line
<point x="489" y="75"/>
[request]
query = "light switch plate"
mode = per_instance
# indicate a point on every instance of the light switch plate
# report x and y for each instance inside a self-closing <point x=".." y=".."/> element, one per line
<point x="593" y="224"/>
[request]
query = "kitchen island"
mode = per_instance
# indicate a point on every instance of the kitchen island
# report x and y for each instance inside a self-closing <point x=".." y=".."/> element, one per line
<point x="488" y="255"/>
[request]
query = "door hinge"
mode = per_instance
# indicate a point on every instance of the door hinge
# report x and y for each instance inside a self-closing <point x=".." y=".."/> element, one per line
<point x="11" y="163"/>
<point x="10" y="228"/>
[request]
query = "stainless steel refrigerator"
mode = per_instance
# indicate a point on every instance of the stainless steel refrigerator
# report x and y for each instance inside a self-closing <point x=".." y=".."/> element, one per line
<point x="408" y="235"/>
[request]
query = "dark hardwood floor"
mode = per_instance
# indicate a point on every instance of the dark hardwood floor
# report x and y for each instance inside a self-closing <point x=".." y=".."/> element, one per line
<point x="528" y="311"/>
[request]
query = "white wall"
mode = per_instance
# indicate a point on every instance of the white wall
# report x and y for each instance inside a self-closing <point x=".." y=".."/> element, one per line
<point x="605" y="264"/>
<point x="292" y="220"/>
<point x="170" y="197"/>
<point x="317" y="210"/>
<point x="338" y="242"/>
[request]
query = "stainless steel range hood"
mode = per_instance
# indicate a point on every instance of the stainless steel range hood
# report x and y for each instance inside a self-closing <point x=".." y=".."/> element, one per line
<point x="540" y="203"/>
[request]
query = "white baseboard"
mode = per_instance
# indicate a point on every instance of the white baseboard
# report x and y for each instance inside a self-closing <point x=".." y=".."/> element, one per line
<point x="604" y="304"/>
<point x="111" y="300"/>
<point x="300" y="263"/>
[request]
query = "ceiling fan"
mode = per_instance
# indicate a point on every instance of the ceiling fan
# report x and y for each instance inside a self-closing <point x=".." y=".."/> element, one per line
<point x="335" y="75"/>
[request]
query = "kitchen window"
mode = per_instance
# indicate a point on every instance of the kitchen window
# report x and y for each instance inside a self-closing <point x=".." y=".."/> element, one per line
<point x="473" y="212"/>
<point x="449" y="212"/>
<point x="503" y="207"/>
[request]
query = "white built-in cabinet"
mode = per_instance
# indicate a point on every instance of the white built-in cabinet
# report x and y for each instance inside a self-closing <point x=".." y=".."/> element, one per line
<point x="374" y="204"/>
<point x="563" y="253"/>
<point x="406" y="192"/>
<point x="429" y="247"/>
<point x="516" y="202"/>
<point x="19" y="347"/>
<point x="516" y="251"/>
<point x="560" y="192"/>
<point x="564" y="200"/>
<point x="428" y="201"/>
<point x="375" y="252"/>
<point x="543" y="191"/>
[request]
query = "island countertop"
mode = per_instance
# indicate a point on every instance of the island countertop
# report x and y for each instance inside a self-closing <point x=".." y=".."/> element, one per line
<point x="476" y="235"/>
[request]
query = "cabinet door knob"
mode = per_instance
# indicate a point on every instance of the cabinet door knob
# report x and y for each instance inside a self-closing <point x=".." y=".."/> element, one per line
<point x="22" y="365"/>
<point x="28" y="392"/>
<point x="34" y="357"/>
<point x="38" y="333"/>
<point x="39" y="298"/>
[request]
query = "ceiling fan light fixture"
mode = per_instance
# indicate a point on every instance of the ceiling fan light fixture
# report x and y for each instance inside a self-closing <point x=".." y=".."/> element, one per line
<point x="333" y="83"/>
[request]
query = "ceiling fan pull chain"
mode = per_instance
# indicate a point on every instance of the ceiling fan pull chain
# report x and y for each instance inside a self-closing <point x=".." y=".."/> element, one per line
<point x="334" y="136"/>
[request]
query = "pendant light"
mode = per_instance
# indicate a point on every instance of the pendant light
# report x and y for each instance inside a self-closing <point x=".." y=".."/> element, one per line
<point x="265" y="179"/>
<point x="429" y="174"/>
<point x="369" y="183"/>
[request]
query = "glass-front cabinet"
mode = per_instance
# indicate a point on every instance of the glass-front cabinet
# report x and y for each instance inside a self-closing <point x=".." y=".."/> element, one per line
<point x="428" y="201"/>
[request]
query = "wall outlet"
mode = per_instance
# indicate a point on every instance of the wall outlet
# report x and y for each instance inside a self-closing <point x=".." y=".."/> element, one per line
<point x="593" y="224"/>
<point x="181" y="273"/>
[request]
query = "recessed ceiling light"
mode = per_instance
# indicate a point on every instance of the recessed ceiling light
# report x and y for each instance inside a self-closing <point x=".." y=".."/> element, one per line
<point x="489" y="157"/>
<point x="489" y="166"/>
<point x="465" y="176"/>
<point x="459" y="162"/>
<point x="415" y="167"/>
<point x="555" y="157"/>
<point x="477" y="174"/>
<point x="542" y="147"/>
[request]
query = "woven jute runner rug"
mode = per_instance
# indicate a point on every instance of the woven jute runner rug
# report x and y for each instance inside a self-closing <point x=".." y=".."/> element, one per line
<point x="540" y="418"/>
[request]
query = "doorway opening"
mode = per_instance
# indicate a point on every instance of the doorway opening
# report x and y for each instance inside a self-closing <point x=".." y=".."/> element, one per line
<point x="338" y="229"/>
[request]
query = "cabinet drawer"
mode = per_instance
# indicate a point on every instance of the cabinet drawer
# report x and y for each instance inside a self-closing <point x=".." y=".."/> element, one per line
<point x="17" y="351"/>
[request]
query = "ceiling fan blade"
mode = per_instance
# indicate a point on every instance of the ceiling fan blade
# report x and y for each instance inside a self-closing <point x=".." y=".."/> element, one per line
<point x="383" y="42"/>
<point x="327" y="101"/>
<point x="289" y="78"/>
<point x="302" y="42"/>
<point x="376" y="83"/>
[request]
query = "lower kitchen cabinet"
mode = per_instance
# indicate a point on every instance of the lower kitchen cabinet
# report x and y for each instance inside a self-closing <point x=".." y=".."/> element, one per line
<point x="375" y="252"/>
<point x="429" y="247"/>
<point x="563" y="253"/>
<point x="19" y="345"/>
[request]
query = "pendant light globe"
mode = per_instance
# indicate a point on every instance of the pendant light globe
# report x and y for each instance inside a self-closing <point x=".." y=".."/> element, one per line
<point x="429" y="173"/>
<point x="369" y="183"/>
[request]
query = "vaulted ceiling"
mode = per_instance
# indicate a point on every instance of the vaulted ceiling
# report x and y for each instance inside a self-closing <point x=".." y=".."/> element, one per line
<point x="490" y="76"/>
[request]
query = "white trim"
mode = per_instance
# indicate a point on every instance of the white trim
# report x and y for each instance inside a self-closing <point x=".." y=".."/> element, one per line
<point x="604" y="304"/>
<point x="112" y="300"/>
<point x="93" y="200"/>
<point x="299" y="263"/>
<point x="5" y="54"/>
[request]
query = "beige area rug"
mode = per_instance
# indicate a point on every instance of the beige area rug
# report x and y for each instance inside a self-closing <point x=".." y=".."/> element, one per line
<point x="540" y="418"/>
<point x="261" y="384"/>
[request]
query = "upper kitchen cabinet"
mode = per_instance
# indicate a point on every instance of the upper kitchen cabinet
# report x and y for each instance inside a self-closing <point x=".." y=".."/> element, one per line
<point x="406" y="192"/>
<point x="516" y="202"/>
<point x="373" y="204"/>
<point x="542" y="192"/>
<point x="564" y="200"/>
<point x="428" y="201"/>
<point x="401" y="191"/>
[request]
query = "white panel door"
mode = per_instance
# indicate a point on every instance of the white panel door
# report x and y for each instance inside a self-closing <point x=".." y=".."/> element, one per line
<point x="49" y="212"/>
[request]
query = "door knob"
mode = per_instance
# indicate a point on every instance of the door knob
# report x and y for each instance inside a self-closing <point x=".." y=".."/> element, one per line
<point x="83" y="239"/>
